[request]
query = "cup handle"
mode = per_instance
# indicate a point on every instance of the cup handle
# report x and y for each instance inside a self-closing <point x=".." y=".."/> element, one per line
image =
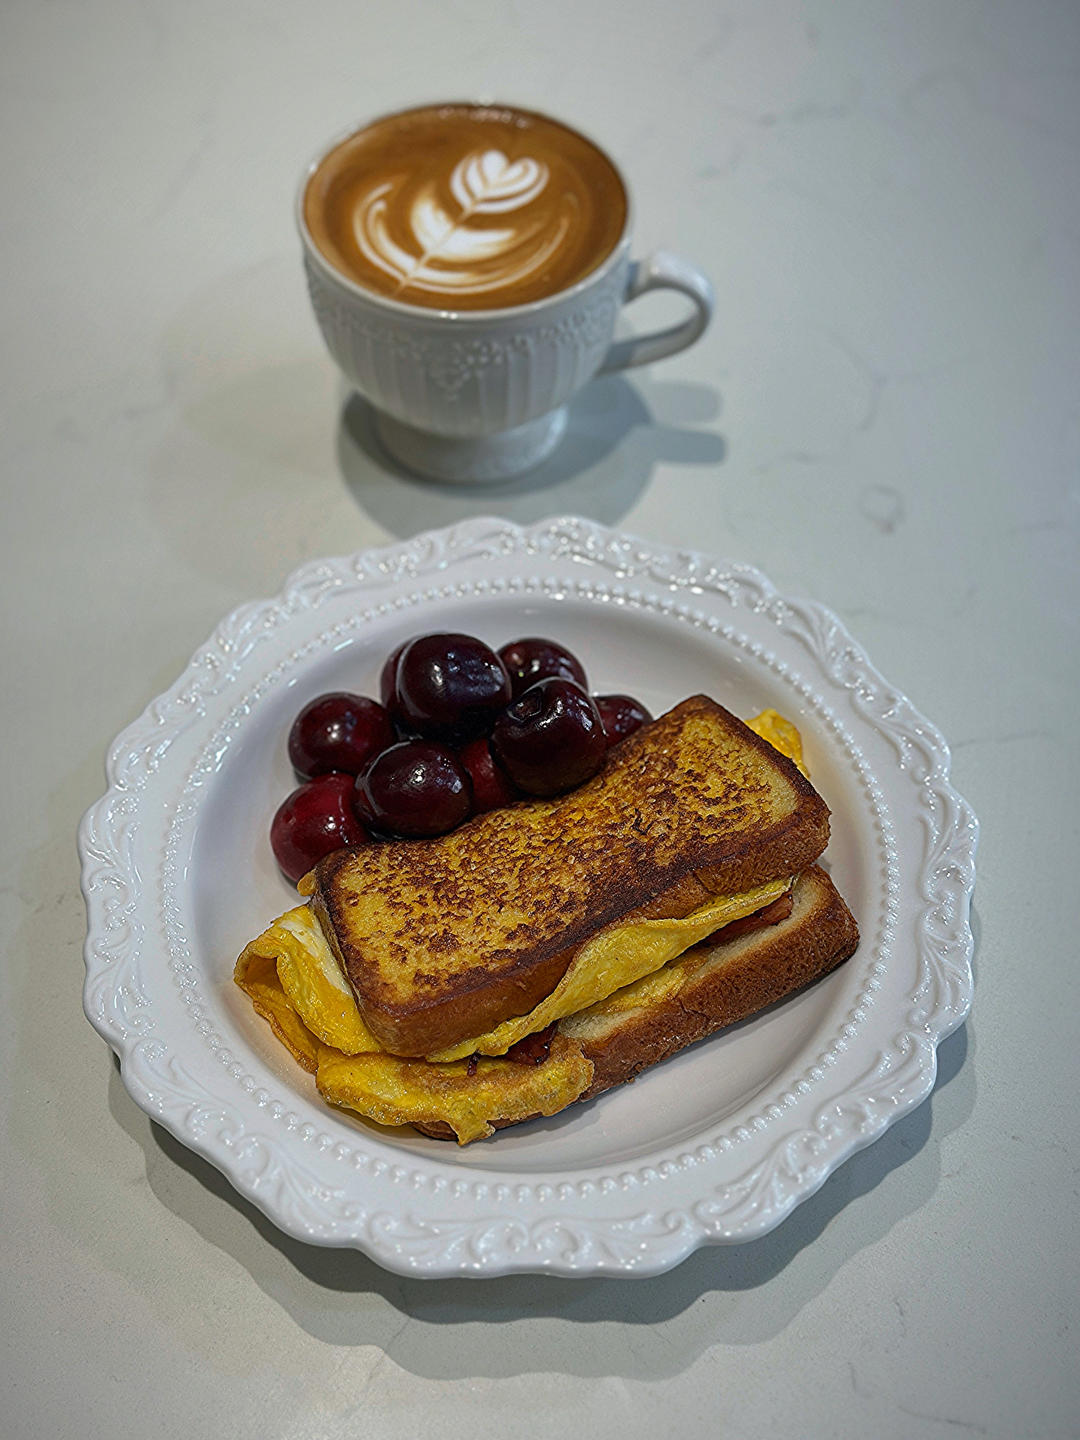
<point x="662" y="271"/>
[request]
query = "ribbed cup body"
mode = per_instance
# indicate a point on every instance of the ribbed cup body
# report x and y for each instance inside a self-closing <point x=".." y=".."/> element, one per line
<point x="470" y="373"/>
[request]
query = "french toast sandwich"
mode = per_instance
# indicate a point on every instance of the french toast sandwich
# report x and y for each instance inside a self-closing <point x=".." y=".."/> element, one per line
<point x="443" y="939"/>
<point x="713" y="985"/>
<point x="545" y="952"/>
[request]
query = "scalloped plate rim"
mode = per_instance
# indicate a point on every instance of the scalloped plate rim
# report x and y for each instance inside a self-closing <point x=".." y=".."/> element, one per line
<point x="660" y="1256"/>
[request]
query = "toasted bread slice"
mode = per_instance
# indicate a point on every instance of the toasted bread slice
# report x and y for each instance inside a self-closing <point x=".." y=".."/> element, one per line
<point x="713" y="985"/>
<point x="442" y="939"/>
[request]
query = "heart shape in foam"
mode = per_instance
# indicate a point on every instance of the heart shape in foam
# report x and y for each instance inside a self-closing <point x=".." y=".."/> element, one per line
<point x="487" y="182"/>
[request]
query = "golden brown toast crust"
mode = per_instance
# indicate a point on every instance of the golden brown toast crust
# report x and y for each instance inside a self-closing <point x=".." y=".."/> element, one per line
<point x="734" y="979"/>
<point x="442" y="939"/>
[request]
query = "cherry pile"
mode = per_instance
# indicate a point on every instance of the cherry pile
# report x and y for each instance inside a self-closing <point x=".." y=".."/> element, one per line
<point x="458" y="729"/>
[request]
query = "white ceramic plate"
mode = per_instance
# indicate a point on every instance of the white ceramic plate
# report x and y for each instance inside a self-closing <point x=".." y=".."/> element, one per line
<point x="719" y="1143"/>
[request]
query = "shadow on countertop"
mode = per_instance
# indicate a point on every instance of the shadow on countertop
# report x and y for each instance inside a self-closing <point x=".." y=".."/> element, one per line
<point x="449" y="1329"/>
<point x="617" y="434"/>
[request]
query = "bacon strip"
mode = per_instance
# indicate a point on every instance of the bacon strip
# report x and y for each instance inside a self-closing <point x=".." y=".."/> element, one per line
<point x="533" y="1050"/>
<point x="760" y="920"/>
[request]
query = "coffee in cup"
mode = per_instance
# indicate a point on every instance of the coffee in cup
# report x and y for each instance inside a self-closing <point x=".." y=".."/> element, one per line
<point x="467" y="265"/>
<point x="465" y="207"/>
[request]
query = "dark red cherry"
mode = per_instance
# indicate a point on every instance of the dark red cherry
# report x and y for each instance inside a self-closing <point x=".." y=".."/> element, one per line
<point x="450" y="686"/>
<point x="338" y="732"/>
<point x="388" y="685"/>
<point x="417" y="787"/>
<point x="388" y="675"/>
<point x="620" y="716"/>
<point x="534" y="658"/>
<point x="315" y="819"/>
<point x="551" y="738"/>
<point x="491" y="787"/>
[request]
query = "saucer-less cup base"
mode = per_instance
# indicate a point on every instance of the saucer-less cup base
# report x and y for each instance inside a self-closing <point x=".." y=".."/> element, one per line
<point x="471" y="459"/>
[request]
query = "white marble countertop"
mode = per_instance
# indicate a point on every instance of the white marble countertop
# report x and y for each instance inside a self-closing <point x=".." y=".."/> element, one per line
<point x="883" y="417"/>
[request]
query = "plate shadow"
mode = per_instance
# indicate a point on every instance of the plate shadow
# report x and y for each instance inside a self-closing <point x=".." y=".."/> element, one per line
<point x="441" y="1329"/>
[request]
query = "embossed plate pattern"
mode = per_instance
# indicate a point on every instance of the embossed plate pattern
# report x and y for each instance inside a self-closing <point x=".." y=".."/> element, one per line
<point x="717" y="1145"/>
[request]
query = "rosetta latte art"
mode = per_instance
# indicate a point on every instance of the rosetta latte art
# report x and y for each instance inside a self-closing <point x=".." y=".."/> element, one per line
<point x="465" y="207"/>
<point x="450" y="253"/>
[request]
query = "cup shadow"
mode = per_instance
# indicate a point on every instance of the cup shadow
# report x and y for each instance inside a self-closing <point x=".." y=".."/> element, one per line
<point x="616" y="436"/>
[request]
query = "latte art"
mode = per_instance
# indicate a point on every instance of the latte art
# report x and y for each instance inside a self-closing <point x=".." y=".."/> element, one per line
<point x="489" y="183"/>
<point x="465" y="207"/>
<point x="450" y="255"/>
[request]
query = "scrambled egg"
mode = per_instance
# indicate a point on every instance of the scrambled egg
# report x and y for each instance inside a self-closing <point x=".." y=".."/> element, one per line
<point x="295" y="983"/>
<point x="781" y="735"/>
<point x="617" y="957"/>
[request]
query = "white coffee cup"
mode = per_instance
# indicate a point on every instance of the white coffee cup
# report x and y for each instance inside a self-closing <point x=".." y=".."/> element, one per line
<point x="481" y="395"/>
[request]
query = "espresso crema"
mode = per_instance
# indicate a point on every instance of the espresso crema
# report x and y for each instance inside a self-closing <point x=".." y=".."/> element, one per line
<point x="465" y="207"/>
